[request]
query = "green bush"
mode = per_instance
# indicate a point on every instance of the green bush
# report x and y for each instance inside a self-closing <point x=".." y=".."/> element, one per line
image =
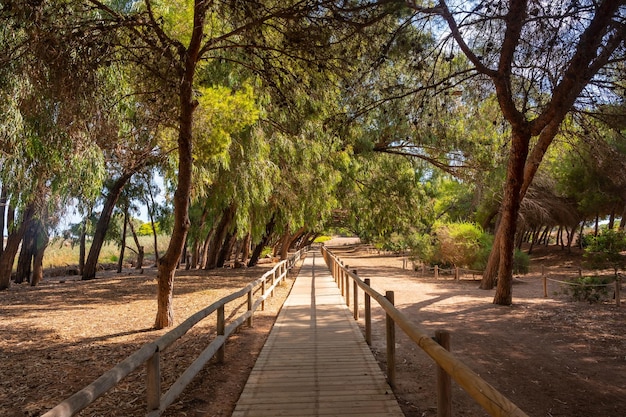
<point x="592" y="289"/>
<point x="460" y="244"/>
<point x="606" y="250"/>
<point x="521" y="262"/>
<point x="146" y="229"/>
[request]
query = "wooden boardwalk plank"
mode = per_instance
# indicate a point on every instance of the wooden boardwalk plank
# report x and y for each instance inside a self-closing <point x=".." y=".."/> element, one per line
<point x="315" y="361"/>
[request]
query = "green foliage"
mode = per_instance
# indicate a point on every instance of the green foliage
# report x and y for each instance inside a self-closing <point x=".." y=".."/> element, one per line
<point x="606" y="250"/>
<point x="146" y="229"/>
<point x="592" y="289"/>
<point x="461" y="244"/>
<point x="521" y="262"/>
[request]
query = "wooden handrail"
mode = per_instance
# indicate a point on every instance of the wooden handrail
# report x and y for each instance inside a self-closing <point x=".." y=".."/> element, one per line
<point x="495" y="403"/>
<point x="149" y="353"/>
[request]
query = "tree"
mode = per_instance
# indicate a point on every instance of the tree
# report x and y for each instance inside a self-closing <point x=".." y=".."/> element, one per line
<point x="174" y="42"/>
<point x="43" y="131"/>
<point x="540" y="60"/>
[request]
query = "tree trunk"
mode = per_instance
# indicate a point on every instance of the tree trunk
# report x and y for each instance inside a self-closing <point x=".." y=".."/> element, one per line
<point x="204" y="255"/>
<point x="151" y="205"/>
<point x="533" y="239"/>
<point x="89" y="270"/>
<point x="581" y="234"/>
<point x="278" y="246"/>
<point x="41" y="243"/>
<point x="27" y="252"/>
<point x="3" y="202"/>
<point x="612" y="219"/>
<point x="120" y="261"/>
<point x="83" y="244"/>
<point x="140" y="248"/>
<point x="245" y="248"/>
<point x="510" y="208"/>
<point x="227" y="248"/>
<point x="13" y="242"/>
<point x="228" y="214"/>
<point x="167" y="264"/>
<point x="545" y="236"/>
<point x="288" y="241"/>
<point x="622" y="223"/>
<point x="258" y="249"/>
<point x="491" y="270"/>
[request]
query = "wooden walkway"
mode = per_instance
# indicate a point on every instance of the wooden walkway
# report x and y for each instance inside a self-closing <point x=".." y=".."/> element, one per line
<point x="315" y="361"/>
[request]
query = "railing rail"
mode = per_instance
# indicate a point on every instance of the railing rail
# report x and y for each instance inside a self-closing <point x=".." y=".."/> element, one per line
<point x="495" y="403"/>
<point x="150" y="352"/>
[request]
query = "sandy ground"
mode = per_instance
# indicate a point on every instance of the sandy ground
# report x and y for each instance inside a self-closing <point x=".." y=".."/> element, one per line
<point x="551" y="356"/>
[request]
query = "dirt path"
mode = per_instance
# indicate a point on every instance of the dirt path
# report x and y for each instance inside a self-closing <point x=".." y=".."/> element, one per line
<point x="550" y="356"/>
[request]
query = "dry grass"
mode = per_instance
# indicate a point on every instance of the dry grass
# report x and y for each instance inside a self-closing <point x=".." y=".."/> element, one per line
<point x="61" y="253"/>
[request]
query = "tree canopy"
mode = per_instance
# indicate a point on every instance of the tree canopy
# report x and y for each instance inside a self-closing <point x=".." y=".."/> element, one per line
<point x="272" y="122"/>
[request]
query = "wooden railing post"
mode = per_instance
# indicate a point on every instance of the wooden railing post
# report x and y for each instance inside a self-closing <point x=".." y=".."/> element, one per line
<point x="250" y="307"/>
<point x="153" y="381"/>
<point x="618" y="285"/>
<point x="436" y="271"/>
<point x="391" y="343"/>
<point x="545" y="282"/>
<point x="355" y="297"/>
<point x="444" y="382"/>
<point x="273" y="281"/>
<point x="456" y="273"/>
<point x="368" y="315"/>
<point x="347" y="289"/>
<point x="263" y="294"/>
<point x="221" y="327"/>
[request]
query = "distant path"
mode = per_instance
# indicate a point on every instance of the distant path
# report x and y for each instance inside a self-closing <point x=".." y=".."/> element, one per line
<point x="315" y="361"/>
<point x="342" y="241"/>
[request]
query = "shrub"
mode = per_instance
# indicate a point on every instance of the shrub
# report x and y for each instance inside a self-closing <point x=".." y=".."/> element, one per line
<point x="521" y="262"/>
<point x="461" y="244"/>
<point x="589" y="288"/>
<point x="605" y="250"/>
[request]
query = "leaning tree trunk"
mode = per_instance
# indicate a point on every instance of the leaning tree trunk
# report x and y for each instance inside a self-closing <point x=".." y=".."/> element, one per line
<point x="41" y="243"/>
<point x="245" y="248"/>
<point x="13" y="242"/>
<point x="227" y="248"/>
<point x="204" y="251"/>
<point x="89" y="270"/>
<point x="288" y="241"/>
<point x="228" y="214"/>
<point x="140" y="249"/>
<point x="258" y="249"/>
<point x="27" y="253"/>
<point x="120" y="261"/>
<point x="3" y="201"/>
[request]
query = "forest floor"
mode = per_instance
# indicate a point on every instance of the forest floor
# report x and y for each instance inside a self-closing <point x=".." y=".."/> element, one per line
<point x="551" y="356"/>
